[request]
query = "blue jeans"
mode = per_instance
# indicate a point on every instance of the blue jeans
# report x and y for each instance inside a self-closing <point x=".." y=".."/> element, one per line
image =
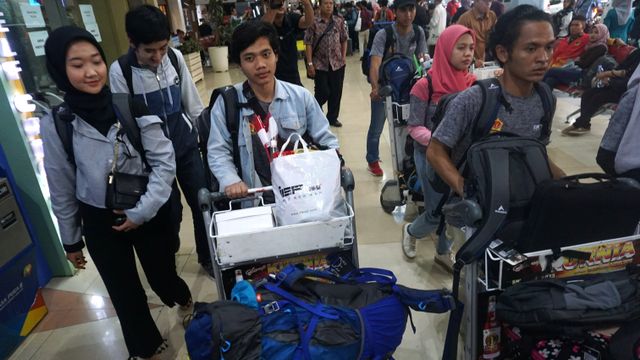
<point x="378" y="115"/>
<point x="555" y="76"/>
<point x="426" y="222"/>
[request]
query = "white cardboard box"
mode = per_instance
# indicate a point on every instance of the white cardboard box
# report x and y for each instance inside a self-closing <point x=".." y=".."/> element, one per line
<point x="244" y="220"/>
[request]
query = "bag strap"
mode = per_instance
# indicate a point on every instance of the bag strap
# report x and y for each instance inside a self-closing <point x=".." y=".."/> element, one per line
<point x="127" y="73"/>
<point x="122" y="107"/>
<point x="469" y="251"/>
<point x="549" y="107"/>
<point x="326" y="30"/>
<point x="62" y="122"/>
<point x="317" y="309"/>
<point x="390" y="40"/>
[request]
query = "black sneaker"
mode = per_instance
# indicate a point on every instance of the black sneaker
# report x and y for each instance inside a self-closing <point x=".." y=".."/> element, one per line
<point x="208" y="268"/>
<point x="336" y="123"/>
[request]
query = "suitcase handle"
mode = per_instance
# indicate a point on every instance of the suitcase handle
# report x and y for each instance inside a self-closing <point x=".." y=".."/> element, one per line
<point x="601" y="177"/>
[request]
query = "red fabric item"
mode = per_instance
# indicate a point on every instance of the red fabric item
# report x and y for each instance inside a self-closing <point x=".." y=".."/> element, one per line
<point x="452" y="8"/>
<point x="565" y="50"/>
<point x="446" y="79"/>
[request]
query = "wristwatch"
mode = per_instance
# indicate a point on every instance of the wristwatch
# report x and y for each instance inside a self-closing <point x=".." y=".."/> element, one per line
<point x="310" y="63"/>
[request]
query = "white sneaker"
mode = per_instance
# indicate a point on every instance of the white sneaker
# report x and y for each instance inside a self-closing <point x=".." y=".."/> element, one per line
<point x="445" y="260"/>
<point x="408" y="242"/>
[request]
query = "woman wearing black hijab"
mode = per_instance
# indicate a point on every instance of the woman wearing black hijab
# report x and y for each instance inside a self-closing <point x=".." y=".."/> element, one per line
<point x="78" y="185"/>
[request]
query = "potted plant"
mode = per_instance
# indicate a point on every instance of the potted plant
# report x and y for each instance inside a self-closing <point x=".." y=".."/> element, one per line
<point x="219" y="52"/>
<point x="190" y="49"/>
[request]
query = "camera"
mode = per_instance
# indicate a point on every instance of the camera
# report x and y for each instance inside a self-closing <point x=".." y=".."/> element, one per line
<point x="276" y="4"/>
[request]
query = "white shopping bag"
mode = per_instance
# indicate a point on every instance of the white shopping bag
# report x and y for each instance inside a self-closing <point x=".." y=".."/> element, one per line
<point x="306" y="185"/>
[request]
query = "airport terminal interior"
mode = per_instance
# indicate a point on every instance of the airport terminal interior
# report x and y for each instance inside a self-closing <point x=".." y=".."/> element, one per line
<point x="82" y="324"/>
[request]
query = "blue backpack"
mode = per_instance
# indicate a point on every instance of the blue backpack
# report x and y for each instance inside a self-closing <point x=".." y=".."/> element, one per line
<point x="305" y="314"/>
<point x="399" y="72"/>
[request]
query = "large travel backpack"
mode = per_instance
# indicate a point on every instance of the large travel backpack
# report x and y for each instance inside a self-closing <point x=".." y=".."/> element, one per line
<point x="390" y="41"/>
<point x="501" y="173"/>
<point x="491" y="101"/>
<point x="123" y="107"/>
<point x="303" y="314"/>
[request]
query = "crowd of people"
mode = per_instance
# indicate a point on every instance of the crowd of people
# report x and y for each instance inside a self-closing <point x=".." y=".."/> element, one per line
<point x="527" y="43"/>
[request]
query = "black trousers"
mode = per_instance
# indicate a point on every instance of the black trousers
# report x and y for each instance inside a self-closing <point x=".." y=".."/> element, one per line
<point x="328" y="89"/>
<point x="592" y="99"/>
<point x="113" y="254"/>
<point x="190" y="175"/>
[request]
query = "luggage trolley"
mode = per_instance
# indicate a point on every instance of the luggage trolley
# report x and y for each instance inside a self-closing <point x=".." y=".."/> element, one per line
<point x="397" y="191"/>
<point x="253" y="253"/>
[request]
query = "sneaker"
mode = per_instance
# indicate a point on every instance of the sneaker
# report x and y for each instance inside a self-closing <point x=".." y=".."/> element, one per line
<point x="208" y="268"/>
<point x="408" y="243"/>
<point x="375" y="169"/>
<point x="445" y="260"/>
<point x="575" y="130"/>
<point x="336" y="123"/>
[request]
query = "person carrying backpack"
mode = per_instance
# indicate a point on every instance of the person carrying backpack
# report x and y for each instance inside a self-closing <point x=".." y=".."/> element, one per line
<point x="255" y="47"/>
<point x="448" y="74"/>
<point x="407" y="43"/>
<point x="157" y="75"/>
<point x="522" y="43"/>
<point x="84" y="145"/>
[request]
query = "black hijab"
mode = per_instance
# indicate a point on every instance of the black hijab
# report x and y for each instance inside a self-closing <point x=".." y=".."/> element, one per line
<point x="95" y="109"/>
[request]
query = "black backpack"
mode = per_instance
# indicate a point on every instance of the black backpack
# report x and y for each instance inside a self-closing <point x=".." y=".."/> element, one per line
<point x="125" y="66"/>
<point x="122" y="103"/>
<point x="501" y="173"/>
<point x="203" y="123"/>
<point x="491" y="102"/>
<point x="571" y="307"/>
<point x="390" y="41"/>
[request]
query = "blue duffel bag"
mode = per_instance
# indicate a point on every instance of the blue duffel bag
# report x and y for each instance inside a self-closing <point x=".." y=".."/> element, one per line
<point x="306" y="314"/>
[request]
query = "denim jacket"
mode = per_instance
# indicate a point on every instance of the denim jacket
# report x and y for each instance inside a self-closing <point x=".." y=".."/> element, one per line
<point x="94" y="155"/>
<point x="293" y="108"/>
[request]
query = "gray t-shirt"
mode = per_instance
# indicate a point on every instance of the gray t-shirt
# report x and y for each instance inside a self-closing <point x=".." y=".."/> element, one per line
<point x="403" y="43"/>
<point x="455" y="129"/>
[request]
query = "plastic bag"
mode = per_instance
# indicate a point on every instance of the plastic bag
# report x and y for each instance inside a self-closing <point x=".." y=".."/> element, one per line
<point x="306" y="184"/>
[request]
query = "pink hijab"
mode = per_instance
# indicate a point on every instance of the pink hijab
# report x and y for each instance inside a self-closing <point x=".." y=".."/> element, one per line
<point x="446" y="79"/>
<point x="603" y="36"/>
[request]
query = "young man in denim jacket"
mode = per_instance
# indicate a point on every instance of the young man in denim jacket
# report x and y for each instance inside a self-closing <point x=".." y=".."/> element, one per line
<point x="255" y="48"/>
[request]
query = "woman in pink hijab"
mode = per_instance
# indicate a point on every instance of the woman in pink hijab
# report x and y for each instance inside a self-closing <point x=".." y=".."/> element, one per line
<point x="449" y="74"/>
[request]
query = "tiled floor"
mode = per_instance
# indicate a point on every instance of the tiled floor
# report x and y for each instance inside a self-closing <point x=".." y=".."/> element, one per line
<point x="81" y="323"/>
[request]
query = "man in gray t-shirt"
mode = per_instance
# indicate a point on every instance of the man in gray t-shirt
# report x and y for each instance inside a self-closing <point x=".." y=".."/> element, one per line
<point x="525" y="59"/>
<point x="407" y="43"/>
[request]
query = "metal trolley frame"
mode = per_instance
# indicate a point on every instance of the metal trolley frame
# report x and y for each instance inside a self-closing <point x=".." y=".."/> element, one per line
<point x="281" y="242"/>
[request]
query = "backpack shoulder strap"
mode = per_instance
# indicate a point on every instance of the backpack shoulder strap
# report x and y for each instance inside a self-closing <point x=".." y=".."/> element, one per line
<point x="549" y="107"/>
<point x="123" y="109"/>
<point x="417" y="38"/>
<point x="491" y="93"/>
<point x="390" y="40"/>
<point x="64" y="128"/>
<point x="125" y="67"/>
<point x="173" y="58"/>
<point x="232" y="120"/>
<point x="430" y="88"/>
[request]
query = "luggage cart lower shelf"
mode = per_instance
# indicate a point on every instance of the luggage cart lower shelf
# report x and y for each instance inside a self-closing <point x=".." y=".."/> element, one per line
<point x="257" y="253"/>
<point x="489" y="277"/>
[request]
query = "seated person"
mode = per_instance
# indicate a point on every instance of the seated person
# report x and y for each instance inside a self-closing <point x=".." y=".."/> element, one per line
<point x="596" y="48"/>
<point x="572" y="46"/>
<point x="615" y="84"/>
<point x="254" y="46"/>
<point x="619" y="154"/>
